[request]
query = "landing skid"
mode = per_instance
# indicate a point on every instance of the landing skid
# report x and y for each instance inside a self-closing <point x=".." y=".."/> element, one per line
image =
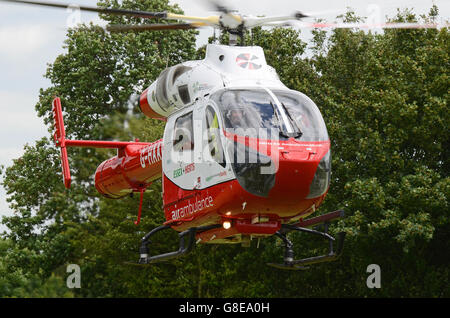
<point x="187" y="242"/>
<point x="302" y="264"/>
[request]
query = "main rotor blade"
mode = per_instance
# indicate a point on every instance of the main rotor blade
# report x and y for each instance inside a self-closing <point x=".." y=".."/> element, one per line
<point x="251" y="22"/>
<point x="134" y="13"/>
<point x="153" y="27"/>
<point x="389" y="25"/>
<point x="213" y="20"/>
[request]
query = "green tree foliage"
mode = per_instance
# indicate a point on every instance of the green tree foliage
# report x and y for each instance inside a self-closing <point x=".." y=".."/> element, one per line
<point x="384" y="98"/>
<point x="17" y="281"/>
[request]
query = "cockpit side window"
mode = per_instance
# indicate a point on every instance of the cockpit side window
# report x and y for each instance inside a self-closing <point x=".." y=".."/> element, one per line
<point x="213" y="132"/>
<point x="183" y="137"/>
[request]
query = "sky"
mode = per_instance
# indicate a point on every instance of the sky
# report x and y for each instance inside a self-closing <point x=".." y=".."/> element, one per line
<point x="31" y="37"/>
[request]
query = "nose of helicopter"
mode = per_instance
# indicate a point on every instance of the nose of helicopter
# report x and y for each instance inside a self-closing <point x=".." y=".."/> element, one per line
<point x="292" y="172"/>
<point x="294" y="175"/>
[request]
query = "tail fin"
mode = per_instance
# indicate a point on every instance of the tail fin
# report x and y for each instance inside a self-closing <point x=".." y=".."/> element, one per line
<point x="60" y="140"/>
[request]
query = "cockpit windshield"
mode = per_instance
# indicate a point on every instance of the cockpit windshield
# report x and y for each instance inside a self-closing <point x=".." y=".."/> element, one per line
<point x="247" y="109"/>
<point x="291" y="113"/>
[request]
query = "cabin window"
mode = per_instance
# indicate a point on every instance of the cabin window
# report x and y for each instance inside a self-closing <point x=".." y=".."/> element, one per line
<point x="213" y="132"/>
<point x="183" y="139"/>
<point x="183" y="91"/>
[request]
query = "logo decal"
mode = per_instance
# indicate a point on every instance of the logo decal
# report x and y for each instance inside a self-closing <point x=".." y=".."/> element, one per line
<point x="151" y="154"/>
<point x="181" y="171"/>
<point x="177" y="173"/>
<point x="197" y="87"/>
<point x="221" y="174"/>
<point x="247" y="61"/>
<point x="192" y="208"/>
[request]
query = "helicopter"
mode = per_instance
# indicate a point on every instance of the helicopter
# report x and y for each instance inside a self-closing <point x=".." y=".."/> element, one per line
<point x="242" y="158"/>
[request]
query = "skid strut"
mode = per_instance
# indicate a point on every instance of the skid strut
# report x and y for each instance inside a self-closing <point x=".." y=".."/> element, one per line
<point x="290" y="263"/>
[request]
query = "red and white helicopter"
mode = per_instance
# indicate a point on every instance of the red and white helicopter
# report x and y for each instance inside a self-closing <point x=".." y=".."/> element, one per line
<point x="242" y="157"/>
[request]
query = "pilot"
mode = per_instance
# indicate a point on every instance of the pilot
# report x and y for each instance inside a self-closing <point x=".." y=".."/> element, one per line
<point x="236" y="117"/>
<point x="235" y="112"/>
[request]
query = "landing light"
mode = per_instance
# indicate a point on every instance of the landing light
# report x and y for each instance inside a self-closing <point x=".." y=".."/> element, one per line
<point x="226" y="225"/>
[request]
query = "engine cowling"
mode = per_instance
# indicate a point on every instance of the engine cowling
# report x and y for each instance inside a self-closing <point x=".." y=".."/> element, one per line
<point x="167" y="94"/>
<point x="177" y="87"/>
<point x="146" y="106"/>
